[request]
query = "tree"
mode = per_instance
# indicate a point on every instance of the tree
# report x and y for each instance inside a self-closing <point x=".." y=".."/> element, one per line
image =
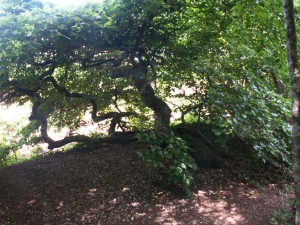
<point x="57" y="59"/>
<point x="237" y="70"/>
<point x="291" y="37"/>
<point x="124" y="60"/>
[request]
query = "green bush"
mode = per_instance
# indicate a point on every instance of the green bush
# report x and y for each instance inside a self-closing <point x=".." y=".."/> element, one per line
<point x="13" y="135"/>
<point x="172" y="153"/>
<point x="283" y="216"/>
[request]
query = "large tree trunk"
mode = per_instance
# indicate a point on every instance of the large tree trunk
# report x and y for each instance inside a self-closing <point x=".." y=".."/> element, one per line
<point x="291" y="37"/>
<point x="162" y="112"/>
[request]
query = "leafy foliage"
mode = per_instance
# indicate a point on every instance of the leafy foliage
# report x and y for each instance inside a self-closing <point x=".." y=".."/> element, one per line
<point x="222" y="63"/>
<point x="283" y="216"/>
<point x="13" y="135"/>
<point x="171" y="153"/>
<point x="240" y="81"/>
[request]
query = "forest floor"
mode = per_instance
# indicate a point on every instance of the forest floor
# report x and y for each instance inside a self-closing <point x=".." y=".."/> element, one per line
<point x="110" y="185"/>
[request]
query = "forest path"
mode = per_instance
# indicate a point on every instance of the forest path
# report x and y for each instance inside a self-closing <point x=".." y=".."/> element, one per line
<point x="111" y="185"/>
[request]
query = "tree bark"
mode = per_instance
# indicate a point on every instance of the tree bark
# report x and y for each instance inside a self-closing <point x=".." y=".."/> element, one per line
<point x="291" y="37"/>
<point x="162" y="112"/>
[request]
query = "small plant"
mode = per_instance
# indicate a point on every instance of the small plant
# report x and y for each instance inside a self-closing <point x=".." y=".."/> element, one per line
<point x="4" y="153"/>
<point x="172" y="153"/>
<point x="283" y="216"/>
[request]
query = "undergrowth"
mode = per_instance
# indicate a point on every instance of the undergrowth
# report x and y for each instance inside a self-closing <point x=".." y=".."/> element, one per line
<point x="283" y="216"/>
<point x="169" y="152"/>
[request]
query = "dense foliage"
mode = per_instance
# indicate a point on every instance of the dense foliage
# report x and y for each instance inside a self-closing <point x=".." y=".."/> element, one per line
<point x="221" y="62"/>
<point x="171" y="153"/>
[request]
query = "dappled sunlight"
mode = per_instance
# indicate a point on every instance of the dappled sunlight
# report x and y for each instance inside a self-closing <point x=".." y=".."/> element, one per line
<point x="221" y="213"/>
<point x="135" y="204"/>
<point x="125" y="189"/>
<point x="92" y="192"/>
<point x="198" y="89"/>
<point x="240" y="204"/>
<point x="15" y="113"/>
<point x="31" y="202"/>
<point x="114" y="201"/>
<point x="199" y="209"/>
<point x="64" y="4"/>
<point x="112" y="186"/>
<point x="60" y="205"/>
<point x="15" y="117"/>
<point x="221" y="207"/>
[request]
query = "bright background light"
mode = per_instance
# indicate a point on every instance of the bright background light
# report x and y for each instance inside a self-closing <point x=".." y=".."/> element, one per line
<point x="62" y="3"/>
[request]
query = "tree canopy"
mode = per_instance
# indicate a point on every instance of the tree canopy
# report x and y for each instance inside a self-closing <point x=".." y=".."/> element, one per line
<point x="133" y="62"/>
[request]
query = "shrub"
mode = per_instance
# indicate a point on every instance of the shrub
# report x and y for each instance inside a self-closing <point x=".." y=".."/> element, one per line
<point x="172" y="153"/>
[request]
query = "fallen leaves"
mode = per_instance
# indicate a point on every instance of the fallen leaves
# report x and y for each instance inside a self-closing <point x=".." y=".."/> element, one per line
<point x="106" y="187"/>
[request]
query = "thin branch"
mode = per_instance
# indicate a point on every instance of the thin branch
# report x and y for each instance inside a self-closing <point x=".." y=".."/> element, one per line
<point x="19" y="88"/>
<point x="153" y="67"/>
<point x="98" y="63"/>
<point x="88" y="58"/>
<point x="43" y="63"/>
<point x="116" y="93"/>
<point x="138" y="41"/>
<point x="62" y="89"/>
<point x="48" y="72"/>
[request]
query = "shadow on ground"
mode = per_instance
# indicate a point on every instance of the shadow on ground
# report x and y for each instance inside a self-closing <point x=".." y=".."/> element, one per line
<point x="111" y="185"/>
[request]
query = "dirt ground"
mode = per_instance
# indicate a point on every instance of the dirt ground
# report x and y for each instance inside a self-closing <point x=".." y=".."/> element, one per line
<point x="111" y="185"/>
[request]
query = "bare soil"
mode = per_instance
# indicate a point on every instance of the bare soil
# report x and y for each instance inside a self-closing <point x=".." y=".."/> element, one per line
<point x="111" y="185"/>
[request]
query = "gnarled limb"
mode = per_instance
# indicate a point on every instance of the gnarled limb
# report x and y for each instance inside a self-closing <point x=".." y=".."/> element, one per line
<point x="18" y="90"/>
<point x="120" y="137"/>
<point x="162" y="112"/>
<point x="116" y="116"/>
<point x="61" y="89"/>
<point x="44" y="126"/>
<point x="116" y="61"/>
<point x="49" y="71"/>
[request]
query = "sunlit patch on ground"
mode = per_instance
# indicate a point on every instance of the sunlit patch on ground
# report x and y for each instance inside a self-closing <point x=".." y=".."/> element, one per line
<point x="111" y="185"/>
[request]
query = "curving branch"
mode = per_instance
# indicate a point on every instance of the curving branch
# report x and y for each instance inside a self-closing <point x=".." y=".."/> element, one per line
<point x="119" y="137"/>
<point x="116" y="61"/>
<point x="115" y="116"/>
<point x="88" y="58"/>
<point x="62" y="89"/>
<point x="7" y="99"/>
<point x="186" y="109"/>
<point x="153" y="67"/>
<point x="116" y="94"/>
<point x="98" y="63"/>
<point x="43" y="63"/>
<point x="17" y="89"/>
<point x="24" y="90"/>
<point x="138" y="75"/>
<point x="12" y="89"/>
<point x="44" y="126"/>
<point x="50" y="71"/>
